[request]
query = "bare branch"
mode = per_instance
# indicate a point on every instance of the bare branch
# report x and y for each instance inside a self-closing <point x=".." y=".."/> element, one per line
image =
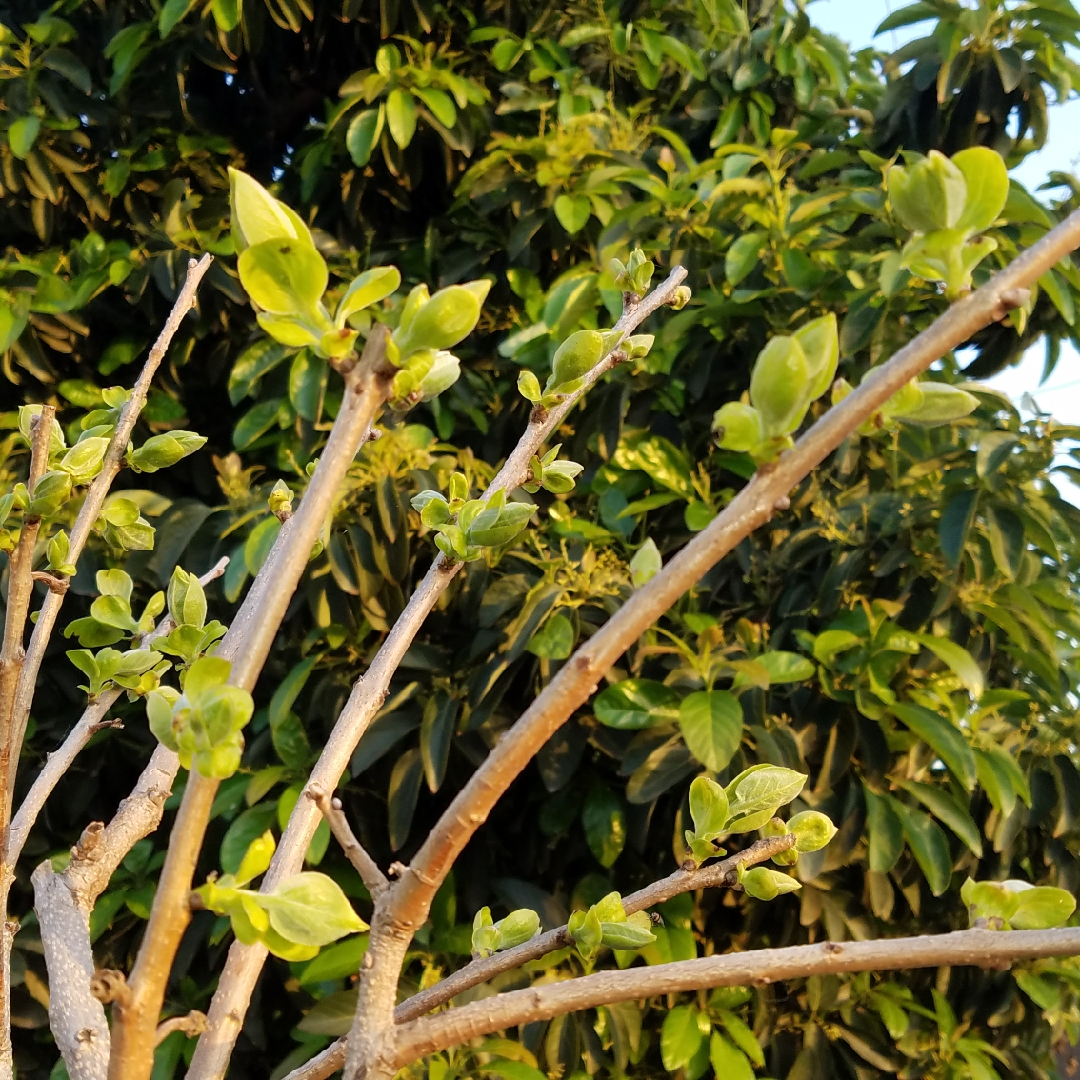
<point x="362" y="862"/>
<point x="751" y="508"/>
<point x="246" y="644"/>
<point x="480" y="971"/>
<point x="92" y="721"/>
<point x="245" y="961"/>
<point x="972" y="948"/>
<point x="97" y="492"/>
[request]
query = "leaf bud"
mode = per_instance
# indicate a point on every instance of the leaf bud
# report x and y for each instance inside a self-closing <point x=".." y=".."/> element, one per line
<point x="646" y="563"/>
<point x="708" y="808"/>
<point x="928" y="195"/>
<point x="780" y="385"/>
<point x="681" y="298"/>
<point x="812" y="830"/>
<point x="558" y="477"/>
<point x="576" y="356"/>
<point x="638" y="346"/>
<point x="83" y="461"/>
<point x="517" y="928"/>
<point x="821" y="349"/>
<point x="941" y="404"/>
<point x="765" y="884"/>
<point x="738" y="426"/>
<point x="280" y="500"/>
<point x="444" y="319"/>
<point x="529" y="386"/>
<point x="50" y="493"/>
<point x="443" y="373"/>
<point x="161" y="451"/>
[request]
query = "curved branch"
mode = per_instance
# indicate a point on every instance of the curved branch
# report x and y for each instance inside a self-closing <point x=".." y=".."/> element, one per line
<point x="974" y="948"/>
<point x="244" y="963"/>
<point x="751" y="508"/>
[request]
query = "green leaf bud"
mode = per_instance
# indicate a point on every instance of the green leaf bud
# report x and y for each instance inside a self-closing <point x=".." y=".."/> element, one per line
<point x="529" y="386"/>
<point x="161" y="451"/>
<point x="159" y="714"/>
<point x="120" y="512"/>
<point x="50" y="493"/>
<point x="708" y="808"/>
<point x="369" y="288"/>
<point x="280" y="500"/>
<point x="638" y="346"/>
<point x="575" y="357"/>
<point x="257" y="216"/>
<point x="812" y="830"/>
<point x="780" y="385"/>
<point x="907" y="399"/>
<point x="443" y="320"/>
<point x="940" y="404"/>
<point x="443" y="373"/>
<point x="681" y="298"/>
<point x="738" y="426"/>
<point x="625" y="935"/>
<point x="58" y="552"/>
<point x="186" y="598"/>
<point x="451" y="542"/>
<point x="83" y="461"/>
<point x="646" y="563"/>
<point x="517" y="928"/>
<point x="765" y="884"/>
<point x="821" y="349"/>
<point x="928" y="195"/>
<point x="774" y="827"/>
<point x="586" y="931"/>
<point x="757" y="793"/>
<point x="256" y="859"/>
<point x="558" y="477"/>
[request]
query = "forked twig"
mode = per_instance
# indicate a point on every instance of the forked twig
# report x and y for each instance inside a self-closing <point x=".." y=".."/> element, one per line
<point x="362" y="862"/>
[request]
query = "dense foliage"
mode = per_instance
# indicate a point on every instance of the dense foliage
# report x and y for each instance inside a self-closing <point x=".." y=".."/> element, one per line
<point x="905" y="633"/>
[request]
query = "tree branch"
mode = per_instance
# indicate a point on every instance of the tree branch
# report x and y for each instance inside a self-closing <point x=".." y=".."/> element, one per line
<point x="246" y="645"/>
<point x="92" y="721"/>
<point x="761" y="967"/>
<point x="96" y="494"/>
<point x="682" y="880"/>
<point x="63" y="903"/>
<point x="370" y="874"/>
<point x="751" y="508"/>
<point x="242" y="968"/>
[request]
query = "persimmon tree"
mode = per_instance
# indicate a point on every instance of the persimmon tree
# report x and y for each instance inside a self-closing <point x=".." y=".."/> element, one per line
<point x="899" y="631"/>
<point x="199" y="722"/>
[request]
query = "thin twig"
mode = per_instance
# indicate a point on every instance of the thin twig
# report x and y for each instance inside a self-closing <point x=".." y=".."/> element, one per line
<point x="244" y="963"/>
<point x="473" y="974"/>
<point x="92" y="720"/>
<point x="96" y="494"/>
<point x="12" y="659"/>
<point x="370" y="874"/>
<point x="246" y="645"/>
<point x="760" y="967"/>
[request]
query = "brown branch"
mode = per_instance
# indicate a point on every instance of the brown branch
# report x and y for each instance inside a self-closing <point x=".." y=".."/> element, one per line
<point x="12" y="660"/>
<point x="473" y="974"/>
<point x="96" y="494"/>
<point x="760" y="967"/>
<point x="750" y="509"/>
<point x="370" y="874"/>
<point x="244" y="963"/>
<point x="246" y="645"/>
<point x="92" y="721"/>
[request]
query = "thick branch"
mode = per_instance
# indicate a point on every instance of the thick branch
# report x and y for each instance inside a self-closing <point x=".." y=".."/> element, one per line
<point x="362" y="862"/>
<point x="242" y="969"/>
<point x="717" y="874"/>
<point x="751" y="508"/>
<point x="92" y="721"/>
<point x="246" y="644"/>
<point x="97" y="492"/>
<point x="974" y="948"/>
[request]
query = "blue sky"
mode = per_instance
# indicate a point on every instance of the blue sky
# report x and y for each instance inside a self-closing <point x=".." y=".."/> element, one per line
<point x="855" y="22"/>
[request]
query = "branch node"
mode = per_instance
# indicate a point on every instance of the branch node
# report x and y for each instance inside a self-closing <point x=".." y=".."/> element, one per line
<point x="833" y="947"/>
<point x="194" y="1023"/>
<point x="783" y="503"/>
<point x="55" y="584"/>
<point x="109" y="985"/>
<point x="396" y="869"/>
<point x="362" y="862"/>
<point x="89" y="842"/>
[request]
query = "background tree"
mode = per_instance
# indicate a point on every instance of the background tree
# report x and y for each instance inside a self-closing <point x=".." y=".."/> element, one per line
<point x="535" y="144"/>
